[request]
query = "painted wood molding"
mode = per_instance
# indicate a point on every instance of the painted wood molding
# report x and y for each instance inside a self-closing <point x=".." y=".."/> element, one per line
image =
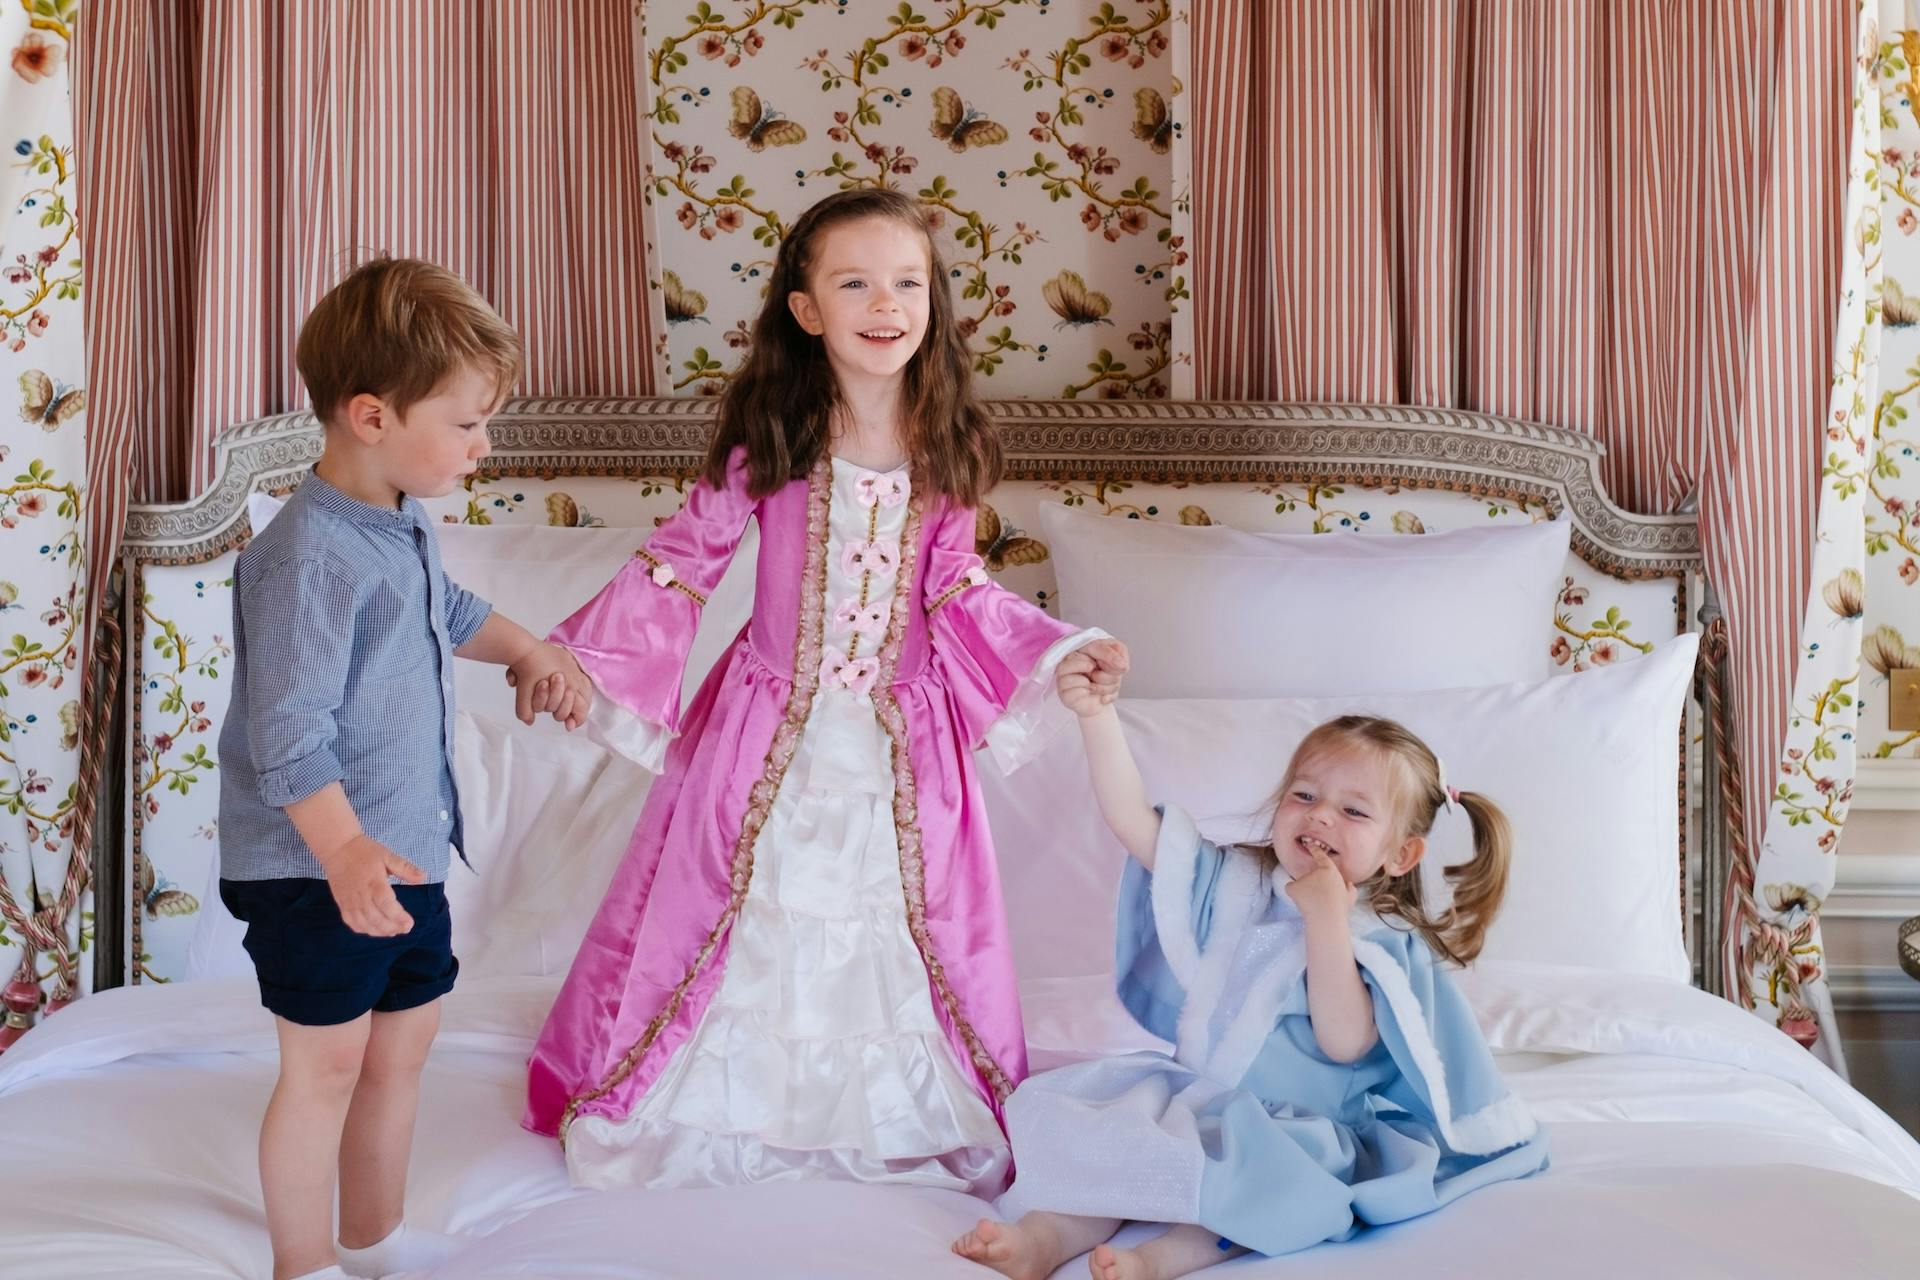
<point x="1875" y="886"/>
<point x="1879" y="988"/>
<point x="1888" y="785"/>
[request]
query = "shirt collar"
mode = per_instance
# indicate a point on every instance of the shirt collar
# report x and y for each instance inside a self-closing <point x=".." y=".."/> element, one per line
<point x="408" y="515"/>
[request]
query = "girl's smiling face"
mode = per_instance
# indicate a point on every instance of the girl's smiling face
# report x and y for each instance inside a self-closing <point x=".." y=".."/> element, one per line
<point x="866" y="297"/>
<point x="1343" y="806"/>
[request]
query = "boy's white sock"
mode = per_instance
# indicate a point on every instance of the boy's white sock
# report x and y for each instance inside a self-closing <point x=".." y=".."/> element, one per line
<point x="324" y="1273"/>
<point x="406" y="1249"/>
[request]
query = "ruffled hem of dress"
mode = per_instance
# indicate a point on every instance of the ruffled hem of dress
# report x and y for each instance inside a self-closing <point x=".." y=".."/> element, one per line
<point x="664" y="1156"/>
<point x="891" y="1095"/>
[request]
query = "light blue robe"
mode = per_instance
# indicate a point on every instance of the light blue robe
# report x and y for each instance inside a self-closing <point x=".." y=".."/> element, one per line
<point x="1249" y="1129"/>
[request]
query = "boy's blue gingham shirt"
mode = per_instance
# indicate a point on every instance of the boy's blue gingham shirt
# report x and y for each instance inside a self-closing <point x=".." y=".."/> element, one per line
<point x="344" y="629"/>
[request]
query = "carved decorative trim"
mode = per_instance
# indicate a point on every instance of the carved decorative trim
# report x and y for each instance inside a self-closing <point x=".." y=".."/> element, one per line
<point x="1155" y="441"/>
<point x="215" y="522"/>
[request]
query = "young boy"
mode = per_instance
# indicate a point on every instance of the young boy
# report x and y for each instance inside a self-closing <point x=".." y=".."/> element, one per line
<point x="337" y="751"/>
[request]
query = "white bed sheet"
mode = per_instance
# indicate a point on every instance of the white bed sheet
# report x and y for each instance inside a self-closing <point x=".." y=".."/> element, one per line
<point x="1689" y="1139"/>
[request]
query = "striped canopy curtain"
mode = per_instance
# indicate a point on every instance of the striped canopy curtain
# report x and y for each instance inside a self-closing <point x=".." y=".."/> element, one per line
<point x="236" y="157"/>
<point x="1622" y="218"/>
<point x="239" y="156"/>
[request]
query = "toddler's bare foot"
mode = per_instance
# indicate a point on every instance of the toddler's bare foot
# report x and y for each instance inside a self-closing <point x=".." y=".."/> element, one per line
<point x="1109" y="1263"/>
<point x="1017" y="1250"/>
<point x="1181" y="1251"/>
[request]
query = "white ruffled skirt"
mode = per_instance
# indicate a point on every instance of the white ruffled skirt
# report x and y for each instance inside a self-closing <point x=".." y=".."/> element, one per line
<point x="820" y="1054"/>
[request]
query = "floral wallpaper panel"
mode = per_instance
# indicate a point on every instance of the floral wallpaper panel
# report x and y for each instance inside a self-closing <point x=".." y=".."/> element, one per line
<point x="1038" y="132"/>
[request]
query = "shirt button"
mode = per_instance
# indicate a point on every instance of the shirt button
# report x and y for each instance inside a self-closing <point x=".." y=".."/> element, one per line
<point x="444" y="815"/>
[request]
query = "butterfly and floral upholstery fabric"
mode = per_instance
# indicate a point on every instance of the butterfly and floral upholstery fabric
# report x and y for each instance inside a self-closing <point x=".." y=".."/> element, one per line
<point x="43" y="507"/>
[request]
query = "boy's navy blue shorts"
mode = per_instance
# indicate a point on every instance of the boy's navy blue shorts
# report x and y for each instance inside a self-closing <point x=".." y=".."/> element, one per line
<point x="317" y="972"/>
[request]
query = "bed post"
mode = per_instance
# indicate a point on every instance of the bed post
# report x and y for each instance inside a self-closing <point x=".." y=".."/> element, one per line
<point x="1707" y="938"/>
<point x="110" y="806"/>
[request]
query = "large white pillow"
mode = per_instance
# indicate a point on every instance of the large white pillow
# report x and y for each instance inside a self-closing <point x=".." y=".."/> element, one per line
<point x="1059" y="864"/>
<point x="547" y="819"/>
<point x="547" y="814"/>
<point x="1586" y="766"/>
<point x="214" y="950"/>
<point x="1214" y="612"/>
<point x="539" y="574"/>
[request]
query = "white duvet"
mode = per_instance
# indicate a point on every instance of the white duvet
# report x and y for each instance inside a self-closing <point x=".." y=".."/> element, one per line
<point x="1689" y="1140"/>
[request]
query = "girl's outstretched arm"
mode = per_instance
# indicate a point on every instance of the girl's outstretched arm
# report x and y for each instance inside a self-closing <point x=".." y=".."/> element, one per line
<point x="1116" y="779"/>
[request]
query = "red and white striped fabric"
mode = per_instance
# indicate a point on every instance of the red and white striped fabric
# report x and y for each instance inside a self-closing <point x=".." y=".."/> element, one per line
<point x="237" y="158"/>
<point x="1623" y="219"/>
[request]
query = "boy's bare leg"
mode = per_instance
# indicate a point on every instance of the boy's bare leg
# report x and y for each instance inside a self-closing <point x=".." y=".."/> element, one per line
<point x="1033" y="1247"/>
<point x="1179" y="1251"/>
<point x="378" y="1139"/>
<point x="319" y="1067"/>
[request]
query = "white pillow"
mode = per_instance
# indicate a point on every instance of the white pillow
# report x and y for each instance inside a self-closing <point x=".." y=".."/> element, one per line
<point x="1586" y="767"/>
<point x="547" y="820"/>
<point x="1059" y="864"/>
<point x="547" y="814"/>
<point x="539" y="574"/>
<point x="1214" y="612"/>
<point x="214" y="950"/>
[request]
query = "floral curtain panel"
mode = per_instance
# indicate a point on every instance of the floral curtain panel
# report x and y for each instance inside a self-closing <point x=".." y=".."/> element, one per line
<point x="45" y="912"/>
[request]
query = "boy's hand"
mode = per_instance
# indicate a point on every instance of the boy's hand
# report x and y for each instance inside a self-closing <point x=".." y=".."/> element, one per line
<point x="1073" y="678"/>
<point x="1108" y="662"/>
<point x="1323" y="893"/>
<point x="357" y="874"/>
<point x="549" y="678"/>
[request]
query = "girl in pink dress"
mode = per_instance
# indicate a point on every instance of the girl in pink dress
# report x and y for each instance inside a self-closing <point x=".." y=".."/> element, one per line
<point x="801" y="968"/>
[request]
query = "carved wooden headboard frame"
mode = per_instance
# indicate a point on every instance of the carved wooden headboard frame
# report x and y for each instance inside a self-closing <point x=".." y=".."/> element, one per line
<point x="1147" y="441"/>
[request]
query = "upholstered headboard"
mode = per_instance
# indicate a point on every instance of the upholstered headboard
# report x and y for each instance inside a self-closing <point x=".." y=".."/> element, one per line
<point x="1631" y="581"/>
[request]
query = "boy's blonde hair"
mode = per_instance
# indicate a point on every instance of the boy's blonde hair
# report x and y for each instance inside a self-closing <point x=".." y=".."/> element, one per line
<point x="397" y="328"/>
<point x="1417" y="796"/>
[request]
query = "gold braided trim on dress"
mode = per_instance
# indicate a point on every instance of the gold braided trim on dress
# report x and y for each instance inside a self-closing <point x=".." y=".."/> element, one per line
<point x="786" y="739"/>
<point x="967" y="582"/>
<point x="657" y="563"/>
<point x="866" y="576"/>
<point x="906" y="820"/>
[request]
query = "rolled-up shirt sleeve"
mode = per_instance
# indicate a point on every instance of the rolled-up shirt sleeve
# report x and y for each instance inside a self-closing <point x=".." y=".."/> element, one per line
<point x="299" y="633"/>
<point x="466" y="612"/>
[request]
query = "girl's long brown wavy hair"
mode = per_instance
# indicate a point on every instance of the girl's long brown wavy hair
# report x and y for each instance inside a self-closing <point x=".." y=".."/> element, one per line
<point x="1478" y="884"/>
<point x="780" y="405"/>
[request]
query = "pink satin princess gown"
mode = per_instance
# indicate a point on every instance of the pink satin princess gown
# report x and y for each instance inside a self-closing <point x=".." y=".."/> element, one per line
<point x="801" y="968"/>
